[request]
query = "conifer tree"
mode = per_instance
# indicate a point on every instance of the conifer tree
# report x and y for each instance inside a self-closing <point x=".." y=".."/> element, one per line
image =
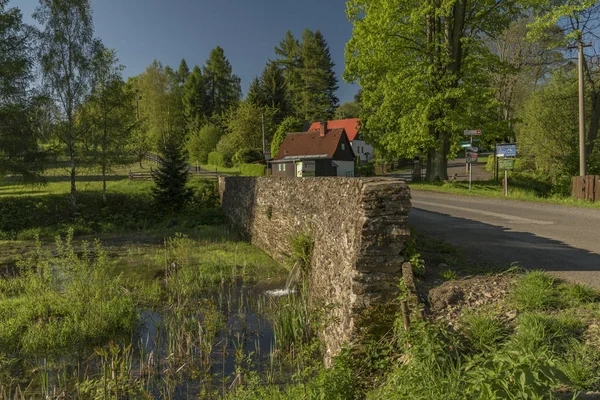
<point x="222" y="85"/>
<point x="170" y="178"/>
<point x="318" y="78"/>
<point x="195" y="98"/>
<point x="271" y="91"/>
<point x="183" y="72"/>
<point x="290" y="60"/>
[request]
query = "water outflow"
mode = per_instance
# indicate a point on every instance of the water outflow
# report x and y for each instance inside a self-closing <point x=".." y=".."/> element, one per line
<point x="290" y="283"/>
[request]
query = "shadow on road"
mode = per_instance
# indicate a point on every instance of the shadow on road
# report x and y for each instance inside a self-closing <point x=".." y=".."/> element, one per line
<point x="490" y="244"/>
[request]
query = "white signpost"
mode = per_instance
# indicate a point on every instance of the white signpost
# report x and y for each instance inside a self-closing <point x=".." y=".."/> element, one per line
<point x="471" y="153"/>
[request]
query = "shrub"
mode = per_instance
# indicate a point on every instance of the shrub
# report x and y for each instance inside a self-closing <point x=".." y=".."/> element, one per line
<point x="252" y="170"/>
<point x="247" y="156"/>
<point x="302" y="248"/>
<point x="535" y="291"/>
<point x="215" y="158"/>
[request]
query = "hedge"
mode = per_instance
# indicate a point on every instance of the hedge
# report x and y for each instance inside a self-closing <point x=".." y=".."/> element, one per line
<point x="252" y="170"/>
<point x="215" y="158"/>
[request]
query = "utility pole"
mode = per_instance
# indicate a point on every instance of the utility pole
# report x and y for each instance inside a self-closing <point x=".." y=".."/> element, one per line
<point x="580" y="61"/>
<point x="263" y="132"/>
<point x="581" y="112"/>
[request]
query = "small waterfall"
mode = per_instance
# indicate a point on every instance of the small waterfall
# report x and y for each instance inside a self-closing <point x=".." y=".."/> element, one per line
<point x="290" y="284"/>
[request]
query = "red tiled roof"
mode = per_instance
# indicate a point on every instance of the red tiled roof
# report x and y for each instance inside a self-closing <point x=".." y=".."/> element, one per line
<point x="310" y="144"/>
<point x="351" y="126"/>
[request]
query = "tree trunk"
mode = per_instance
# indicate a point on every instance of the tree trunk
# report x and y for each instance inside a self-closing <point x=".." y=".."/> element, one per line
<point x="140" y="160"/>
<point x="437" y="161"/>
<point x="73" y="187"/>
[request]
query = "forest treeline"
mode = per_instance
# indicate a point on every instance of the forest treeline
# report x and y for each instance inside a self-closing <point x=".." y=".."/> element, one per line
<point x="85" y="110"/>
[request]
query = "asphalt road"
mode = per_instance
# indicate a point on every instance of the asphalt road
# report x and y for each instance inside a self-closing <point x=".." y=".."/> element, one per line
<point x="562" y="240"/>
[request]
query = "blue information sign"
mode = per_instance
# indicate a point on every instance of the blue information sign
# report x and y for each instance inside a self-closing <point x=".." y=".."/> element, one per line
<point x="506" y="150"/>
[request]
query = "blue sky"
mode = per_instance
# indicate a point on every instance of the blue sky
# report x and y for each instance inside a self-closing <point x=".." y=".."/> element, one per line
<point x="248" y="30"/>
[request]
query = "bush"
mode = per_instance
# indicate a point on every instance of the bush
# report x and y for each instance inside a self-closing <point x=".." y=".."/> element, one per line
<point x="247" y="156"/>
<point x="252" y="170"/>
<point x="366" y="170"/>
<point x="217" y="159"/>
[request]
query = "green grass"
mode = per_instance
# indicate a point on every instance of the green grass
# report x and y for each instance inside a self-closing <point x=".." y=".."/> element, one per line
<point x="517" y="191"/>
<point x="483" y="330"/>
<point x="535" y="291"/>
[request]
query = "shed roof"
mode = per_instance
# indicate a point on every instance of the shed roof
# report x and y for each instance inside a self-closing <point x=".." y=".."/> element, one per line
<point x="310" y="144"/>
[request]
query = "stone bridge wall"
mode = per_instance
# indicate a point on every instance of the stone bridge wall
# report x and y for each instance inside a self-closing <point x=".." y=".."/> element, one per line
<point x="358" y="226"/>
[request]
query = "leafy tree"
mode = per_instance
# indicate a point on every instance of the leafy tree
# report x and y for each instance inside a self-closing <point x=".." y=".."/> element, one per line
<point x="202" y="142"/>
<point x="18" y="139"/>
<point x="247" y="156"/>
<point x="222" y="86"/>
<point x="66" y="50"/>
<point x="195" y="99"/>
<point x="110" y="109"/>
<point x="290" y="124"/>
<point x="170" y="189"/>
<point x="424" y="72"/>
<point x="319" y="82"/>
<point x="548" y="132"/>
<point x="290" y="60"/>
<point x="244" y="129"/>
<point x="521" y="66"/>
<point x="161" y="105"/>
<point x="349" y="109"/>
<point x="578" y="21"/>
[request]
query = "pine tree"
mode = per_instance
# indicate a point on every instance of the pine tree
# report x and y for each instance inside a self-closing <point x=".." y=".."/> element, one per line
<point x="195" y="98"/>
<point x="183" y="72"/>
<point x="318" y="78"/>
<point x="271" y="91"/>
<point x="290" y="60"/>
<point x="170" y="179"/>
<point x="222" y="86"/>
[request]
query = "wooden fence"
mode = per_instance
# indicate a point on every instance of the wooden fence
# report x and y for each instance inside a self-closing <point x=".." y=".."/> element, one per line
<point x="586" y="187"/>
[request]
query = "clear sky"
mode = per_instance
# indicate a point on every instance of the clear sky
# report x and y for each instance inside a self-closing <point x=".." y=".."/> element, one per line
<point x="248" y="31"/>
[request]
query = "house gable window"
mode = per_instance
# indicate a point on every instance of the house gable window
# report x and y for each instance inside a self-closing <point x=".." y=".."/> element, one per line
<point x="283" y="167"/>
<point x="279" y="167"/>
<point x="343" y="146"/>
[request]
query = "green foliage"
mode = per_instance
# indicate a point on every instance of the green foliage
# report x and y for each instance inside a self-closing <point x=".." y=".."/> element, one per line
<point x="483" y="331"/>
<point x="247" y="156"/>
<point x="302" y="249"/>
<point x="195" y="97"/>
<point x="535" y="291"/>
<point x="215" y="158"/>
<point x="420" y="90"/>
<point x="252" y="170"/>
<point x="536" y="332"/>
<point x="366" y="170"/>
<point x="19" y="152"/>
<point x="222" y="86"/>
<point x="418" y="265"/>
<point x="576" y="294"/>
<point x="271" y="91"/>
<point x="318" y="78"/>
<point x="202" y="142"/>
<point x="293" y="323"/>
<point x="170" y="179"/>
<point x="581" y="366"/>
<point x="64" y="303"/>
<point x="449" y="274"/>
<point x="245" y="128"/>
<point x="350" y="109"/>
<point x="288" y="125"/>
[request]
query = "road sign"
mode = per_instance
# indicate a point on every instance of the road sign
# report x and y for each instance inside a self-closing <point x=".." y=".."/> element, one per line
<point x="472" y="149"/>
<point x="506" y="150"/>
<point x="506" y="164"/>
<point x="465" y="144"/>
<point x="471" y="132"/>
<point x="471" y="157"/>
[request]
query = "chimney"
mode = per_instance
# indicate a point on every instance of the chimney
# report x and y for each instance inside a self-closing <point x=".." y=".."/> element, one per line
<point x="323" y="129"/>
